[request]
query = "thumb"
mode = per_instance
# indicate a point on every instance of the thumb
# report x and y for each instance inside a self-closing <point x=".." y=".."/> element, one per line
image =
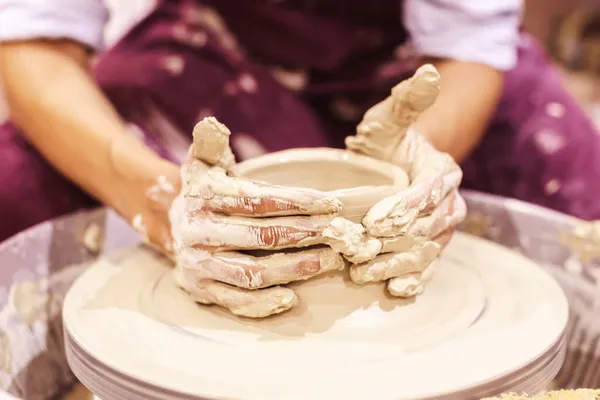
<point x="211" y="143"/>
<point x="384" y="125"/>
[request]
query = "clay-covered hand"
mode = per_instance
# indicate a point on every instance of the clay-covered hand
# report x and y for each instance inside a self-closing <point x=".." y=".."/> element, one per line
<point x="416" y="223"/>
<point x="217" y="215"/>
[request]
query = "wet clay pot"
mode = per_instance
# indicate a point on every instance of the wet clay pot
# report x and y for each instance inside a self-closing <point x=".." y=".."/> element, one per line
<point x="357" y="181"/>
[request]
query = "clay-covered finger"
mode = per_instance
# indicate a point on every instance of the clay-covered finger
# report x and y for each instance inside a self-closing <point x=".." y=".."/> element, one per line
<point x="238" y="196"/>
<point x="416" y="94"/>
<point x="449" y="213"/>
<point x="432" y="174"/>
<point x="390" y="265"/>
<point x="217" y="232"/>
<point x="444" y="238"/>
<point x="242" y="302"/>
<point x="251" y="272"/>
<point x="401" y="244"/>
<point x="211" y="143"/>
<point x="221" y="193"/>
<point x="351" y="240"/>
<point x="220" y="232"/>
<point x="395" y="215"/>
<point x="412" y="284"/>
<point x="385" y="124"/>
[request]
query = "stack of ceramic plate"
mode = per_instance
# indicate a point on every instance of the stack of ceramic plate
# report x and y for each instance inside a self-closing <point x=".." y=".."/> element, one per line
<point x="490" y="321"/>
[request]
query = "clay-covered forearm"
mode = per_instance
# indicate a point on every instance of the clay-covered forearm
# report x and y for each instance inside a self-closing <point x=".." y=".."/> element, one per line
<point x="64" y="115"/>
<point x="467" y="100"/>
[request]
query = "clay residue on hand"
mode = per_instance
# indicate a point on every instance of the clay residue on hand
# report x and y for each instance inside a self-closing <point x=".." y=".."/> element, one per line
<point x="245" y="303"/>
<point x="233" y="196"/>
<point x="257" y="272"/>
<point x="162" y="191"/>
<point x="385" y="124"/>
<point x="391" y="265"/>
<point x="351" y="240"/>
<point x="412" y="284"/>
<point x="211" y="143"/>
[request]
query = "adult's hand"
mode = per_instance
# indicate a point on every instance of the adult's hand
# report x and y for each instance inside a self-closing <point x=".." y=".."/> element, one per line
<point x="216" y="215"/>
<point x="149" y="204"/>
<point x="415" y="224"/>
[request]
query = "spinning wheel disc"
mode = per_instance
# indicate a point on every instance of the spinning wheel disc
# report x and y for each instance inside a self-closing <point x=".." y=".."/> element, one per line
<point x="491" y="320"/>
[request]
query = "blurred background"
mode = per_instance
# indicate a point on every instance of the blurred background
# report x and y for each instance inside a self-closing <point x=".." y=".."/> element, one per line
<point x="570" y="30"/>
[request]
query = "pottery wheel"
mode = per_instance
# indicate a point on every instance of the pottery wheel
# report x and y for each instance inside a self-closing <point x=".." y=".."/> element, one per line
<point x="490" y="321"/>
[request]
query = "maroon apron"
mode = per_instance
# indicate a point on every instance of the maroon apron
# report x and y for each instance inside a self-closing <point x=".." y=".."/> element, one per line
<point x="232" y="59"/>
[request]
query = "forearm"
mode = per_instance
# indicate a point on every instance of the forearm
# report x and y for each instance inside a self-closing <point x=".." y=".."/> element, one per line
<point x="459" y="117"/>
<point x="54" y="100"/>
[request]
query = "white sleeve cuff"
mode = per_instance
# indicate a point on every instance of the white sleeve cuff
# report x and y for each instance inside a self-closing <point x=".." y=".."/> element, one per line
<point x="482" y="31"/>
<point x="79" y="20"/>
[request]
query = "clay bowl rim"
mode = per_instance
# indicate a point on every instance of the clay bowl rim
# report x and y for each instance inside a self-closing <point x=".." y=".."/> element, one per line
<point x="398" y="177"/>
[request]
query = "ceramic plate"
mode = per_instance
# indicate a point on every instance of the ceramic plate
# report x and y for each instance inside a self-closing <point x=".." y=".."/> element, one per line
<point x="491" y="320"/>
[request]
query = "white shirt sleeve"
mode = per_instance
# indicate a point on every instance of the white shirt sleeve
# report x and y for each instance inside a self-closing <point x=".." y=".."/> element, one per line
<point x="80" y="20"/>
<point x="483" y="31"/>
